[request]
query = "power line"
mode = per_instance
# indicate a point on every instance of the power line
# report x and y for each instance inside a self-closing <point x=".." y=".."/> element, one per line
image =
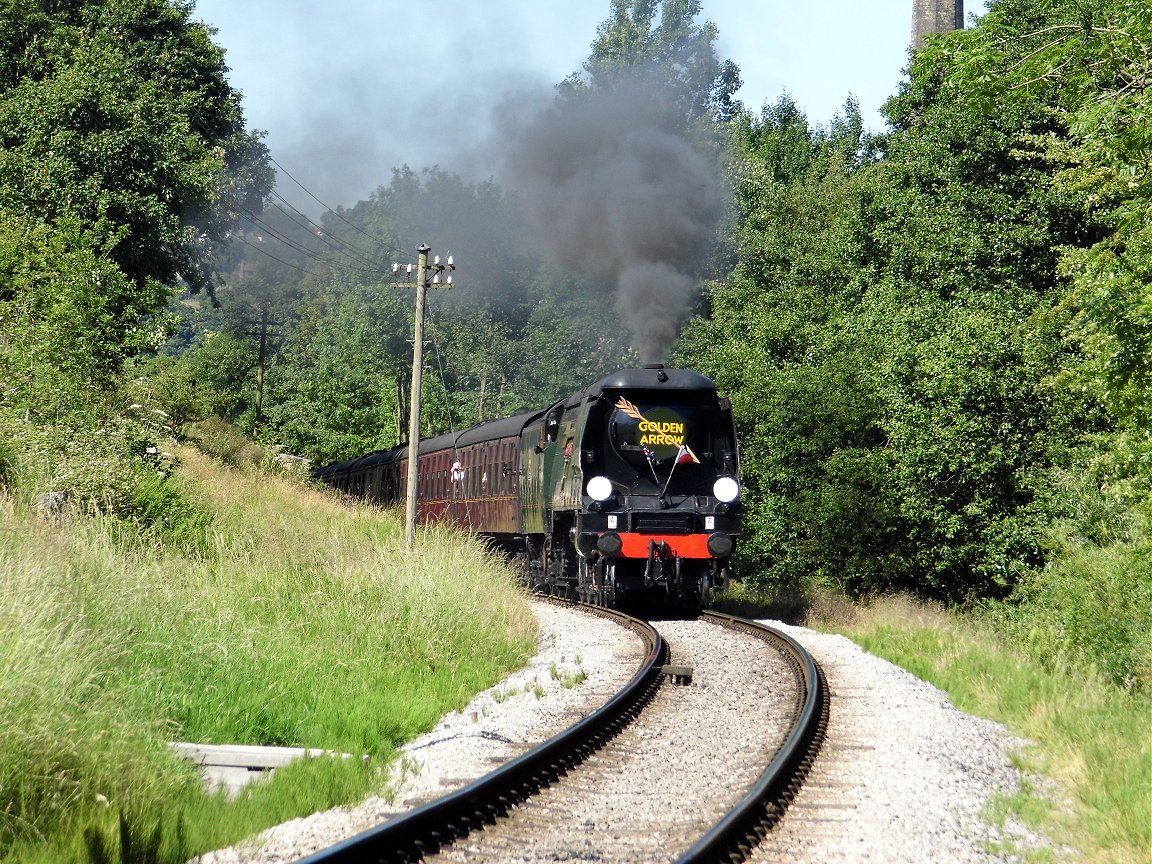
<point x="371" y="270"/>
<point x="334" y="242"/>
<point x="291" y="244"/>
<point x="264" y="251"/>
<point x="339" y="215"/>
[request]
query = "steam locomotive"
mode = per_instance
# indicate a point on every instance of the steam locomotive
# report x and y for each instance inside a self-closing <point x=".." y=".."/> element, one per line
<point x="628" y="489"/>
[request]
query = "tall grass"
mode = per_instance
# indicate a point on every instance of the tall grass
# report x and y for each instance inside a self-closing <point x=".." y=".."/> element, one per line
<point x="286" y="619"/>
<point x="70" y="744"/>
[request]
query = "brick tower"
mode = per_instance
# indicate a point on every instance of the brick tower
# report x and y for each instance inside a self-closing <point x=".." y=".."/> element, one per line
<point x="935" y="16"/>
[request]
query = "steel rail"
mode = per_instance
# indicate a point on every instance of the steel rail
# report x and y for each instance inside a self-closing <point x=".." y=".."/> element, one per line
<point x="410" y="836"/>
<point x="733" y="837"/>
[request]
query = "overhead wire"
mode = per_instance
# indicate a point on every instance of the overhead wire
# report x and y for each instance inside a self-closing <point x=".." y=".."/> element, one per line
<point x="263" y="251"/>
<point x="313" y="254"/>
<point x="333" y="241"/>
<point x="338" y="214"/>
<point x="337" y="251"/>
<point x="336" y="246"/>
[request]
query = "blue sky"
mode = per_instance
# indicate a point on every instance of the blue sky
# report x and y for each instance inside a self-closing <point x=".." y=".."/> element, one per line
<point x="349" y="89"/>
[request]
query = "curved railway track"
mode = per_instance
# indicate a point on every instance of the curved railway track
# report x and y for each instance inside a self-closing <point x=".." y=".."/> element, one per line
<point x="734" y="836"/>
<point x="513" y="789"/>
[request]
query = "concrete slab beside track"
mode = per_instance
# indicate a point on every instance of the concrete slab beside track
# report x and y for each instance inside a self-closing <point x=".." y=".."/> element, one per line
<point x="234" y="766"/>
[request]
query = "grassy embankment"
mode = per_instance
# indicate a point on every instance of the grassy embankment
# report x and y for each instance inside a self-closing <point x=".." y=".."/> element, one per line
<point x="1092" y="740"/>
<point x="287" y="619"/>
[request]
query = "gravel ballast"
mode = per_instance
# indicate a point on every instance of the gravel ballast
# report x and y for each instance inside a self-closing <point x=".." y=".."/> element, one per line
<point x="904" y="775"/>
<point x="651" y="791"/>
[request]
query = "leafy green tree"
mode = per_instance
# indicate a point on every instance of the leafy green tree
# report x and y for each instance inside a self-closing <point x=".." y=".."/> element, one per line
<point x="780" y="340"/>
<point x="333" y="395"/>
<point x="117" y="116"/>
<point x="676" y="51"/>
<point x="53" y="285"/>
<point x="1089" y="64"/>
<point x="1108" y="152"/>
<point x="899" y="319"/>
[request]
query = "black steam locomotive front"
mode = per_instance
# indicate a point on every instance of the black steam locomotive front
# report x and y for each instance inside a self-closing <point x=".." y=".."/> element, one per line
<point x="649" y="489"/>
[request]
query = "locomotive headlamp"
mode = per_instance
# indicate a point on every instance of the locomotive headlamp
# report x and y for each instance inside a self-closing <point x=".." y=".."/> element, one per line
<point x="599" y="488"/>
<point x="725" y="489"/>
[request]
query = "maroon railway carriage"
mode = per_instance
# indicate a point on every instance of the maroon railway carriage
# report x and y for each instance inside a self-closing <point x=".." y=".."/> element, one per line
<point x="470" y="478"/>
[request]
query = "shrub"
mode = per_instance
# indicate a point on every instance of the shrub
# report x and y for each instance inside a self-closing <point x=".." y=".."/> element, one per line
<point x="217" y="437"/>
<point x="114" y="471"/>
<point x="1092" y="605"/>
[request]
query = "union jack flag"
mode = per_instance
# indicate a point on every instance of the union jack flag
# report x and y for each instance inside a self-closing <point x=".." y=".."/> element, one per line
<point x="651" y="457"/>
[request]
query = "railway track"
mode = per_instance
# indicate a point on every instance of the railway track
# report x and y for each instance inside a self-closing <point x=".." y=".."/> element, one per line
<point x="643" y="777"/>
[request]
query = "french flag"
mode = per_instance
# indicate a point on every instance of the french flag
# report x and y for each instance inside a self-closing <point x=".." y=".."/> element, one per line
<point x="685" y="456"/>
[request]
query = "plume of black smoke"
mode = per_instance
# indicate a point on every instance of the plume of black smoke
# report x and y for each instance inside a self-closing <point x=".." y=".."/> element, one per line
<point x="619" y="194"/>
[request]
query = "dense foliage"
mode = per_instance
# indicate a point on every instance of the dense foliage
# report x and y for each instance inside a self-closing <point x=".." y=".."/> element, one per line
<point x="122" y="147"/>
<point x="935" y="338"/>
<point x="536" y="312"/>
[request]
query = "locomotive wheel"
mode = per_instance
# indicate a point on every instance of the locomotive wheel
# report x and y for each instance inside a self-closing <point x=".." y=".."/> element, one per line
<point x="593" y="585"/>
<point x="535" y="569"/>
<point x="583" y="581"/>
<point x="547" y="574"/>
<point x="606" y="578"/>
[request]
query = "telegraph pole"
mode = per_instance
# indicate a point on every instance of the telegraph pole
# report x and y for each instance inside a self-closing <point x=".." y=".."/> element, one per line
<point x="422" y="283"/>
<point x="262" y="331"/>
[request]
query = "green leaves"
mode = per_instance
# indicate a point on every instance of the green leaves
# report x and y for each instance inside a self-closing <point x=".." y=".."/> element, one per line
<point x="673" y="49"/>
<point x="117" y="117"/>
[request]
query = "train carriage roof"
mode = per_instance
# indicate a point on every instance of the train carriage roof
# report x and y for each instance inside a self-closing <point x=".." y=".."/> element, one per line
<point x="489" y="430"/>
<point x="654" y="377"/>
<point x="333" y="468"/>
<point x="492" y="430"/>
<point x="431" y="445"/>
<point x="369" y="459"/>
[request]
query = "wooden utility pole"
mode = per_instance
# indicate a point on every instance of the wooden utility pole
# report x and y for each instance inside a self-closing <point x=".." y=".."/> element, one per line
<point x="262" y="332"/>
<point x="422" y="283"/>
